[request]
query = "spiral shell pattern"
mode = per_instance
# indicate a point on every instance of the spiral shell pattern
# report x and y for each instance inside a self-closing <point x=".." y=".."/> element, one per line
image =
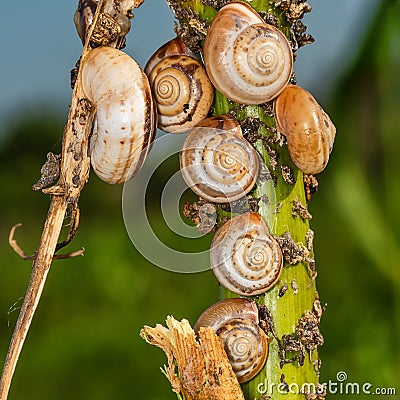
<point x="246" y="346"/>
<point x="182" y="91"/>
<point x="247" y="60"/>
<point x="125" y="117"/>
<point x="216" y="161"/>
<point x="309" y="131"/>
<point x="236" y="321"/>
<point x="244" y="257"/>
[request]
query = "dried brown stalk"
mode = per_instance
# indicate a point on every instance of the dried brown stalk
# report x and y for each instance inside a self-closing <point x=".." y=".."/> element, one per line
<point x="74" y="173"/>
<point x="203" y="369"/>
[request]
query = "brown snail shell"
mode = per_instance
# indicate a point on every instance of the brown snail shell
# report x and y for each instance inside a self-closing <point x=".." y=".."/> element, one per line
<point x="309" y="131"/>
<point x="215" y="315"/>
<point x="247" y="60"/>
<point x="83" y="17"/>
<point x="181" y="89"/>
<point x="216" y="162"/>
<point x="174" y="47"/>
<point x="110" y="26"/>
<point x="235" y="321"/>
<point x="125" y="117"/>
<point x="244" y="257"/>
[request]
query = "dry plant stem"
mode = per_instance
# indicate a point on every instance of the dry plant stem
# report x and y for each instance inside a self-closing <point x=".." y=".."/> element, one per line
<point x="201" y="363"/>
<point x="40" y="270"/>
<point x="75" y="166"/>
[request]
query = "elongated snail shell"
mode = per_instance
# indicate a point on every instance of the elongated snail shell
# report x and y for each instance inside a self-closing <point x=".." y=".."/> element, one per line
<point x="125" y="116"/>
<point x="216" y="162"/>
<point x="244" y="342"/>
<point x="244" y="257"/>
<point x="83" y="17"/>
<point x="247" y="60"/>
<point x="182" y="91"/>
<point x="309" y="131"/>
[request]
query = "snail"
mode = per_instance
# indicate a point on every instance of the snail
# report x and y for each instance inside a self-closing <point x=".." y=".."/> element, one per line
<point x="112" y="26"/>
<point x="244" y="257"/>
<point x="247" y="60"/>
<point x="309" y="131"/>
<point x="83" y="17"/>
<point x="125" y="117"/>
<point x="181" y="89"/>
<point x="235" y="321"/>
<point x="216" y="162"/>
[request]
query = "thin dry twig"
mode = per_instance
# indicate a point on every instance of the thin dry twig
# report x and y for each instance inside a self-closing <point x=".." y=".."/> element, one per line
<point x="17" y="248"/>
<point x="74" y="172"/>
<point x="73" y="226"/>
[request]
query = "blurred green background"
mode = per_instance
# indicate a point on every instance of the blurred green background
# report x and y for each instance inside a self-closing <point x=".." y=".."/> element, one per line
<point x="84" y="342"/>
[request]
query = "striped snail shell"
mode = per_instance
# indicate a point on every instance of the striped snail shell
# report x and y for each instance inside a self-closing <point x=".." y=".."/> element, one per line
<point x="216" y="162"/>
<point x="181" y="89"/>
<point x="174" y="47"/>
<point x="235" y="321"/>
<point x="247" y="60"/>
<point x="309" y="131"/>
<point x="125" y="117"/>
<point x="244" y="257"/>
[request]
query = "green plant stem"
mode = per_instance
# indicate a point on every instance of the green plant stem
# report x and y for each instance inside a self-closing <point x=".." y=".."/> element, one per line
<point x="286" y="310"/>
<point x="276" y="199"/>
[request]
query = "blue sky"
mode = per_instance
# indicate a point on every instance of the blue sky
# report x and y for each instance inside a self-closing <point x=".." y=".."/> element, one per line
<point x="40" y="46"/>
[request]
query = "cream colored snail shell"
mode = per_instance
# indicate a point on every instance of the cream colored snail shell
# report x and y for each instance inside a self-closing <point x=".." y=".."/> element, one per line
<point x="181" y="89"/>
<point x="216" y="162"/>
<point x="309" y="131"/>
<point x="247" y="60"/>
<point x="244" y="257"/>
<point x="235" y="321"/>
<point x="125" y="117"/>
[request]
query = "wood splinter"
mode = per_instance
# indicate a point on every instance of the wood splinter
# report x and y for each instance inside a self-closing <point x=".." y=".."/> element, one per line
<point x="197" y="367"/>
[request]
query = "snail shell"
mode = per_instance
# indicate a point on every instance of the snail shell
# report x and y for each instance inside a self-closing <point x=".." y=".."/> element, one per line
<point x="175" y="47"/>
<point x="181" y="89"/>
<point x="217" y="163"/>
<point x="216" y="314"/>
<point x="83" y="17"/>
<point x="125" y="117"/>
<point x="235" y="321"/>
<point x="309" y="131"/>
<point x="118" y="22"/>
<point x="247" y="60"/>
<point x="244" y="257"/>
